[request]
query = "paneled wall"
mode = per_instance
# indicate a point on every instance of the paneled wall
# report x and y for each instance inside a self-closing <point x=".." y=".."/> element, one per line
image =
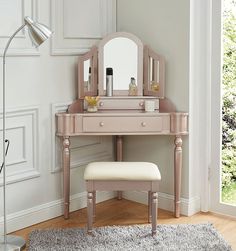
<point x="39" y="83"/>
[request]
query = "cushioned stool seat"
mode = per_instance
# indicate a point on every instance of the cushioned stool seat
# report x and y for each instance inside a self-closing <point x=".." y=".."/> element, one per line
<point x="122" y="176"/>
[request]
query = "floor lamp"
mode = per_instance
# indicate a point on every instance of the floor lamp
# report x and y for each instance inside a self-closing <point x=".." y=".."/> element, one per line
<point x="38" y="34"/>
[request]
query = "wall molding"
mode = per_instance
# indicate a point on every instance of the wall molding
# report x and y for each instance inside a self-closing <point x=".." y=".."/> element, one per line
<point x="23" y="158"/>
<point x="22" y="45"/>
<point x="62" y="107"/>
<point x="25" y="167"/>
<point x="64" y="44"/>
<point x="92" y="150"/>
<point x="40" y="213"/>
<point x="166" y="201"/>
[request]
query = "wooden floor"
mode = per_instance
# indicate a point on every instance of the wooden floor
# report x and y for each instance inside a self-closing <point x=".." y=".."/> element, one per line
<point x="124" y="212"/>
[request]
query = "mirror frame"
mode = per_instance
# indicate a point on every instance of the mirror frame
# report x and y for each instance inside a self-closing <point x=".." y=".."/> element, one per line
<point x="148" y="52"/>
<point x="143" y="83"/>
<point x="139" y="81"/>
<point x="93" y="56"/>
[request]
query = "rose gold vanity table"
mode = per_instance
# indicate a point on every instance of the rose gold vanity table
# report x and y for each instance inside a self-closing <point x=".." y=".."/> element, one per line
<point x="122" y="114"/>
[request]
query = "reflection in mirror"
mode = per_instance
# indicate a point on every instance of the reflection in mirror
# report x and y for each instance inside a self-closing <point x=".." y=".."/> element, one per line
<point x="154" y="73"/>
<point x="87" y="75"/>
<point x="121" y="54"/>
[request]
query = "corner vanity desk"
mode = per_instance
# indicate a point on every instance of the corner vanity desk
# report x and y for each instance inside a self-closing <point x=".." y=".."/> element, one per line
<point x="124" y="112"/>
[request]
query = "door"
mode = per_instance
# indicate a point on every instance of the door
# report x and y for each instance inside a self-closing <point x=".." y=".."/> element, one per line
<point x="223" y="144"/>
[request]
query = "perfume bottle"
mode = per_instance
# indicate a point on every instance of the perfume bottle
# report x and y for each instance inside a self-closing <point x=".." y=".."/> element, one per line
<point x="133" y="90"/>
<point x="154" y="86"/>
<point x="109" y="82"/>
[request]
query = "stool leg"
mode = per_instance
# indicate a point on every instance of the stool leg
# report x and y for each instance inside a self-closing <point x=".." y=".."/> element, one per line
<point x="90" y="211"/>
<point x="94" y="204"/>
<point x="154" y="212"/>
<point x="149" y="207"/>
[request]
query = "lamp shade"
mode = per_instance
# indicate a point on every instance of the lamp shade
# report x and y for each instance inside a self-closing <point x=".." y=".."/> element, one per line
<point x="37" y="32"/>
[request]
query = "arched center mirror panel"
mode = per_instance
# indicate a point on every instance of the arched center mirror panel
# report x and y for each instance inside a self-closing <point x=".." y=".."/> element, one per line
<point x="123" y="53"/>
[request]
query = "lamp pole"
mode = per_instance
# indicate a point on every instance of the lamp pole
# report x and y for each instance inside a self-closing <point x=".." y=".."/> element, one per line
<point x="8" y="241"/>
<point x="38" y="34"/>
<point x="3" y="168"/>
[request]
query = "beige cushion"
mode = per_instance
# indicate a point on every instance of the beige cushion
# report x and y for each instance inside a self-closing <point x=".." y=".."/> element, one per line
<point x="122" y="171"/>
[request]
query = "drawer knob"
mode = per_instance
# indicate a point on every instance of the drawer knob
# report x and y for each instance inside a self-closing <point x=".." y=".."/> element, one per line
<point x="101" y="104"/>
<point x="141" y="104"/>
<point x="143" y="124"/>
<point x="101" y="123"/>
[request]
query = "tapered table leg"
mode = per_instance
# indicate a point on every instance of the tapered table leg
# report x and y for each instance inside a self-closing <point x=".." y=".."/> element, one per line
<point x="119" y="156"/>
<point x="177" y="173"/>
<point x="66" y="175"/>
<point x="119" y="148"/>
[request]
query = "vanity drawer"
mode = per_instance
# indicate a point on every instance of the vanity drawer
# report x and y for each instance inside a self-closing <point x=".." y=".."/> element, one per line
<point x="124" y="124"/>
<point x="124" y="103"/>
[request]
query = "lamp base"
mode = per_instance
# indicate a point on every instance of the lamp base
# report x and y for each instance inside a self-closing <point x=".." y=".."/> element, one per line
<point x="13" y="243"/>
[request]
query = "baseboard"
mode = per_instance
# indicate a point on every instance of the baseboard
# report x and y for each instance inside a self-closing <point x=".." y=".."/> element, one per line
<point x="165" y="201"/>
<point x="54" y="209"/>
<point x="48" y="211"/>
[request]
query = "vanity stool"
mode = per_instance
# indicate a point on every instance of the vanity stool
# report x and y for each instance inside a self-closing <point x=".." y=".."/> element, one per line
<point x="122" y="176"/>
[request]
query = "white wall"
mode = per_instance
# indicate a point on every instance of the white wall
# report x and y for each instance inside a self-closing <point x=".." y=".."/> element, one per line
<point x="165" y="26"/>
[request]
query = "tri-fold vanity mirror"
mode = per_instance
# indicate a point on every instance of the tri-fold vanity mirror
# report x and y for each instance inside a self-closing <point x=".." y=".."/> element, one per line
<point x="136" y="70"/>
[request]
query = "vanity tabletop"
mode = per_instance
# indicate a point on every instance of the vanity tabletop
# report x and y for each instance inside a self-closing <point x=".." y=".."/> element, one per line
<point x="120" y="113"/>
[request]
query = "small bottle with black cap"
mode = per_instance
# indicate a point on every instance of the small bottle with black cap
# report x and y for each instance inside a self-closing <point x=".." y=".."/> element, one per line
<point x="109" y="82"/>
<point x="89" y="80"/>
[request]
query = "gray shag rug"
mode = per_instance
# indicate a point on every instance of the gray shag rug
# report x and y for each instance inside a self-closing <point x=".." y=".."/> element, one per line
<point x="187" y="237"/>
